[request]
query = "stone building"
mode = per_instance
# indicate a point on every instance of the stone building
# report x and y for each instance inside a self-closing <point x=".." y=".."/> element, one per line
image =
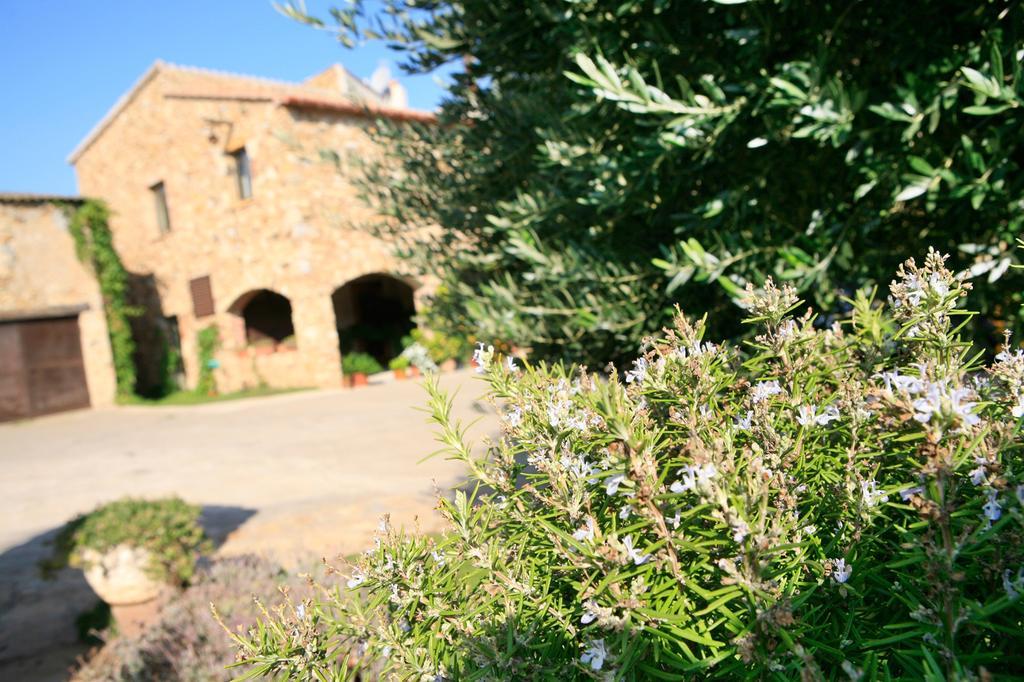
<point x="233" y="204"/>
<point x="54" y="347"/>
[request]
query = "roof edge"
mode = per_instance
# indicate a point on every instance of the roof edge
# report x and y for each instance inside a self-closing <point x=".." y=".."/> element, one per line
<point x="36" y="198"/>
<point x="112" y="113"/>
<point x="368" y="110"/>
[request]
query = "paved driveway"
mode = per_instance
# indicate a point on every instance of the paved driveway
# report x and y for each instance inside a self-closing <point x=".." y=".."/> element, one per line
<point x="296" y="475"/>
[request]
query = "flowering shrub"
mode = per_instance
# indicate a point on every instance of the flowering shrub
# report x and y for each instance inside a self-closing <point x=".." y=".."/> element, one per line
<point x="185" y="643"/>
<point x="824" y="503"/>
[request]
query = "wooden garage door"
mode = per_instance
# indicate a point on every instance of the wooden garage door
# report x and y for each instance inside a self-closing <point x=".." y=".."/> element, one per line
<point x="41" y="368"/>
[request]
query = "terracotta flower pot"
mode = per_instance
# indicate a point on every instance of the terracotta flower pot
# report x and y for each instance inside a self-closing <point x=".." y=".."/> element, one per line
<point x="119" y="575"/>
<point x="449" y="365"/>
<point x="356" y="379"/>
<point x="414" y="371"/>
<point x="400" y="374"/>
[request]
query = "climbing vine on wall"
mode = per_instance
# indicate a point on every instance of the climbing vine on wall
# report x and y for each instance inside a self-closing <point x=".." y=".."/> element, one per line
<point x="94" y="244"/>
<point x="208" y="340"/>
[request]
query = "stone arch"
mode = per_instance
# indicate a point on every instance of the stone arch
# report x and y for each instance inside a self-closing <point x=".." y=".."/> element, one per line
<point x="266" y="315"/>
<point x="372" y="313"/>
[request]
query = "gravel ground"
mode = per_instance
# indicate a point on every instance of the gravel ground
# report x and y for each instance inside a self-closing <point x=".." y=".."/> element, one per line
<point x="294" y="477"/>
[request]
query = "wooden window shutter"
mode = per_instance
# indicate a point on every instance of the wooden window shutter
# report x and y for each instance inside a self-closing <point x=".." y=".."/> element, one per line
<point x="202" y="296"/>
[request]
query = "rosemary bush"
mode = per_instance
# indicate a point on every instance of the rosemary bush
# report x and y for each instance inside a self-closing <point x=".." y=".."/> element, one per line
<point x="824" y="503"/>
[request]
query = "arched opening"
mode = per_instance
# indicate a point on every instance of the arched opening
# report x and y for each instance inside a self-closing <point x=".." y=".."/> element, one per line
<point x="267" y="315"/>
<point x="373" y="313"/>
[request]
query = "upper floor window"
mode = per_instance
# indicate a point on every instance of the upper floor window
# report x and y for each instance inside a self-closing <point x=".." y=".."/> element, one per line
<point x="242" y="173"/>
<point x="163" y="219"/>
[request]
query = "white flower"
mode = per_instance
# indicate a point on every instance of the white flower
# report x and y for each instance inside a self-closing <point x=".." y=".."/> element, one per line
<point x="980" y="473"/>
<point x="588" y="616"/>
<point x="992" y="509"/>
<point x="936" y="400"/>
<point x="300" y="611"/>
<point x="510" y="364"/>
<point x="481" y="357"/>
<point x="743" y="423"/>
<point x="595" y="654"/>
<point x="438" y="557"/>
<point x="1013" y="587"/>
<point x="356" y="580"/>
<point x="694" y="476"/>
<point x="585" y="532"/>
<point x="808" y="415"/>
<point x="929" y="405"/>
<point x="558" y="412"/>
<point x="938" y="285"/>
<point x="632" y="553"/>
<point x="901" y="382"/>
<point x="871" y="494"/>
<point x="626" y="512"/>
<point x="805" y="415"/>
<point x="764" y="390"/>
<point x="740" y="530"/>
<point x="915" y="291"/>
<point x="514" y="417"/>
<point x="963" y="408"/>
<point x="841" y="571"/>
<point x="1018" y="409"/>
<point x="907" y="493"/>
<point x="674" y="521"/>
<point x="639" y="371"/>
<point x="613" y="484"/>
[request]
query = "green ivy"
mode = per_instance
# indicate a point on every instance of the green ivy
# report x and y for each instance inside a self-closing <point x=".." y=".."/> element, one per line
<point x="94" y="245"/>
<point x="209" y="341"/>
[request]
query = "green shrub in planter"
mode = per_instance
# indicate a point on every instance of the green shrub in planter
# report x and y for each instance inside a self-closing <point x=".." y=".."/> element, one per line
<point x="399" y="363"/>
<point x="167" y="529"/>
<point x="360" y="363"/>
<point x="823" y="503"/>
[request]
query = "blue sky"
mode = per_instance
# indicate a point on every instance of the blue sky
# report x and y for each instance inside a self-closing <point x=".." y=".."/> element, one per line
<point x="64" y="64"/>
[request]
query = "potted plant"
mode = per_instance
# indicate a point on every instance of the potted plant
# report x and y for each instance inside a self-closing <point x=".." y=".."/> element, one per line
<point x="356" y="367"/>
<point x="400" y="366"/>
<point x="131" y="550"/>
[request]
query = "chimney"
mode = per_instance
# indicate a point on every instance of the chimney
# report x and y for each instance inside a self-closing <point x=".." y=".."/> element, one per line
<point x="396" y="95"/>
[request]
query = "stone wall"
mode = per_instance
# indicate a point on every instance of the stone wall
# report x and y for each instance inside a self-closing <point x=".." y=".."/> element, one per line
<point x="39" y="271"/>
<point x="302" y="233"/>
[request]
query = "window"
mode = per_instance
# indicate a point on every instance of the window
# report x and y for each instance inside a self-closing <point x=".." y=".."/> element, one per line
<point x="242" y="173"/>
<point x="163" y="219"/>
<point x="202" y="296"/>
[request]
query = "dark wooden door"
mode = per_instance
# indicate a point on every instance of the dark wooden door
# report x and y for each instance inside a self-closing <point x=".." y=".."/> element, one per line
<point x="41" y="368"/>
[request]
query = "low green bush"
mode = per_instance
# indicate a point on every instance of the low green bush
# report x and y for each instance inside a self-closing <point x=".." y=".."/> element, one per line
<point x="360" y="363"/>
<point x="169" y="529"/>
<point x="827" y="502"/>
<point x="401" y="362"/>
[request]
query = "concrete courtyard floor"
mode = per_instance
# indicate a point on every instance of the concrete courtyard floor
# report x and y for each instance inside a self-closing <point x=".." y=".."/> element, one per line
<point x="294" y="477"/>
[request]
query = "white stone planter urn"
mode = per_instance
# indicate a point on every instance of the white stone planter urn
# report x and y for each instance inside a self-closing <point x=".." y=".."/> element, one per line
<point x="119" y="575"/>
